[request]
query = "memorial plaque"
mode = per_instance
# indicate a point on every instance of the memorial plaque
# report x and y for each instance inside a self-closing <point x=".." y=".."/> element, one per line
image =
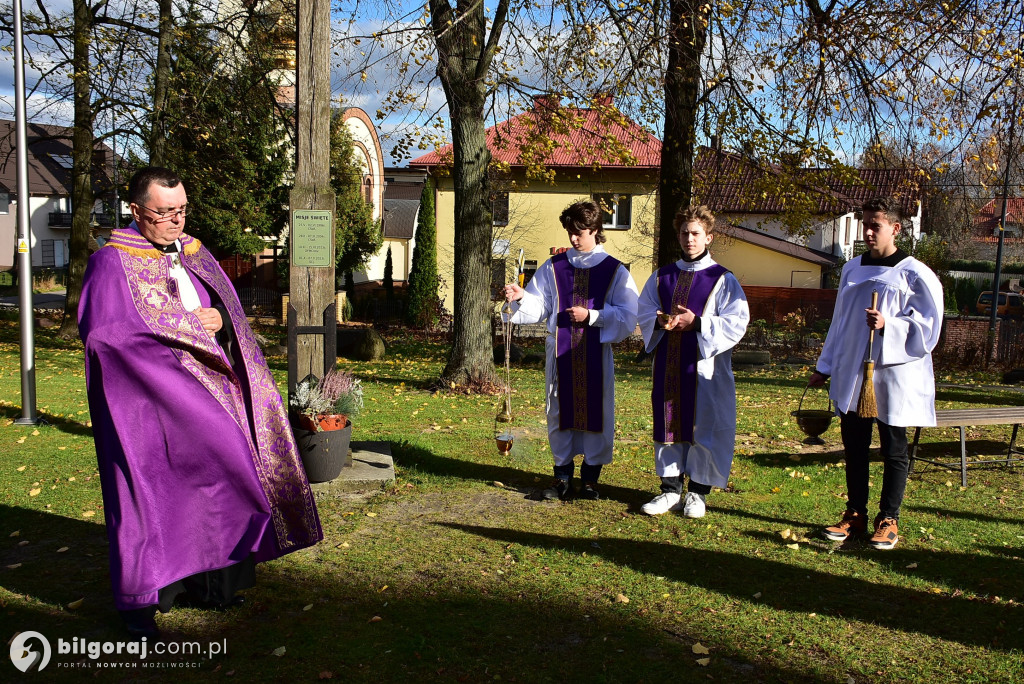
<point x="312" y="238"/>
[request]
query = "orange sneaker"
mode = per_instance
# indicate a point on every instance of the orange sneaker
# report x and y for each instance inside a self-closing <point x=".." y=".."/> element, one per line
<point x="852" y="523"/>
<point x="885" y="536"/>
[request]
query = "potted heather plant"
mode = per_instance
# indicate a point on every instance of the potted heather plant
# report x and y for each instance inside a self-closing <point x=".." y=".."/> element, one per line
<point x="321" y="412"/>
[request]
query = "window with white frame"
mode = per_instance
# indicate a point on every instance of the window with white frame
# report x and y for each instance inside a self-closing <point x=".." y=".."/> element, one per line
<point x="616" y="210"/>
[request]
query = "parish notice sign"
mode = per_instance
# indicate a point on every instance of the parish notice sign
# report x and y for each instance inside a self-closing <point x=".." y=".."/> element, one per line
<point x="312" y="238"/>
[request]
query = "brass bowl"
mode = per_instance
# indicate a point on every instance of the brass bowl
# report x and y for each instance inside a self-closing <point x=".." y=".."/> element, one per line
<point x="813" y="422"/>
<point x="504" y="443"/>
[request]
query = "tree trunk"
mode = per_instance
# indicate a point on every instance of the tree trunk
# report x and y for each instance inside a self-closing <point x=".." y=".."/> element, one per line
<point x="464" y="53"/>
<point x="471" y="359"/>
<point x="81" y="167"/>
<point x="687" y="33"/>
<point x="161" y="78"/>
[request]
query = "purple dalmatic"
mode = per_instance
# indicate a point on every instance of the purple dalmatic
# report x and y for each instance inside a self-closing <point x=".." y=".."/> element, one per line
<point x="577" y="346"/>
<point x="674" y="396"/>
<point x="198" y="465"/>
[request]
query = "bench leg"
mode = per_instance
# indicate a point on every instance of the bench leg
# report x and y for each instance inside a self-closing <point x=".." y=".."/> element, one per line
<point x="963" y="455"/>
<point x="1013" y="441"/>
<point x="913" y="451"/>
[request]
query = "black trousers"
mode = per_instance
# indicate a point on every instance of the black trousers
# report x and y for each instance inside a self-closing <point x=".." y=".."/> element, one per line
<point x="856" y="433"/>
<point x="675" y="484"/>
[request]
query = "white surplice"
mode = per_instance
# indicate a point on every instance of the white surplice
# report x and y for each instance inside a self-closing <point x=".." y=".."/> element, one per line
<point x="722" y="325"/>
<point x="615" y="321"/>
<point x="910" y="300"/>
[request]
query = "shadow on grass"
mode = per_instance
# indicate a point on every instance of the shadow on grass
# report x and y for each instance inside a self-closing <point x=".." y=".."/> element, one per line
<point x="72" y="427"/>
<point x="782" y="458"/>
<point x="334" y="617"/>
<point x="979" y="397"/>
<point x="410" y="455"/>
<point x="800" y="589"/>
<point x="963" y="515"/>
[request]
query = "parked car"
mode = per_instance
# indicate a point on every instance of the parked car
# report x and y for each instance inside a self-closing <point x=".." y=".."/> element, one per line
<point x="1010" y="304"/>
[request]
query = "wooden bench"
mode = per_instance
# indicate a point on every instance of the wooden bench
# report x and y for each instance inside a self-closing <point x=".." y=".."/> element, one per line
<point x="961" y="419"/>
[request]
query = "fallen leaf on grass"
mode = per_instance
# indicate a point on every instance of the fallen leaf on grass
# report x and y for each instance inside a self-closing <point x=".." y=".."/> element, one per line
<point x="63" y="549"/>
<point x="308" y="607"/>
<point x="621" y="598"/>
<point x="61" y="448"/>
<point x="88" y="514"/>
<point x="21" y="469"/>
<point x="376" y="618"/>
<point x="757" y="595"/>
<point x="15" y="566"/>
<point x="326" y="674"/>
<point x="371" y="514"/>
<point x="75" y="605"/>
<point x="912" y="566"/>
<point x="785" y="534"/>
<point x="793" y="546"/>
<point x="35" y="433"/>
<point x="21" y="440"/>
<point x="703" y="662"/>
<point x="382" y="588"/>
<point x="700" y="649"/>
<point x="279" y="651"/>
<point x="24" y="542"/>
<point x="34" y="492"/>
<point x="15" y="533"/>
<point x="344" y="545"/>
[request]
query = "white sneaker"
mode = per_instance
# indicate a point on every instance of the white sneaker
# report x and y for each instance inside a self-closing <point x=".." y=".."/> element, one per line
<point x="694" y="506"/>
<point x="663" y="503"/>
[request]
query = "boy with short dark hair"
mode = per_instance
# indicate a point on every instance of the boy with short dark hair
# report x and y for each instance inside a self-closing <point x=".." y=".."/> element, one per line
<point x="907" y="322"/>
<point x="588" y="300"/>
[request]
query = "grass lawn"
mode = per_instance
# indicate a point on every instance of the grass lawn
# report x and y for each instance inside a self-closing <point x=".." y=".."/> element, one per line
<point x="456" y="573"/>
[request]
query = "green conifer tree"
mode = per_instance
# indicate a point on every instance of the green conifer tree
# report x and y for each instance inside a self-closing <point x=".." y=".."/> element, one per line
<point x="424" y="302"/>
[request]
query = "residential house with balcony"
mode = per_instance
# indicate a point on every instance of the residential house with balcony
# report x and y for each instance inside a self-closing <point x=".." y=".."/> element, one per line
<point x="49" y="187"/>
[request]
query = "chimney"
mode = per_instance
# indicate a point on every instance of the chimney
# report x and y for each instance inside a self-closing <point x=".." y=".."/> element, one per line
<point x="547" y="101"/>
<point x="716" y="143"/>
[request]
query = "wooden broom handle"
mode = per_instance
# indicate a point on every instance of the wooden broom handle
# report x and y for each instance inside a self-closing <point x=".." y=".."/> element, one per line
<point x="871" y="335"/>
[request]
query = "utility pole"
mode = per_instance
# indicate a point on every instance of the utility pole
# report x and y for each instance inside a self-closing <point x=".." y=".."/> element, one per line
<point x="28" y="346"/>
<point x="312" y="324"/>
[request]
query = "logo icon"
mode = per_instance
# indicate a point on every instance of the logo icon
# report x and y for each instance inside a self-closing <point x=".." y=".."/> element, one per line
<point x="24" y="658"/>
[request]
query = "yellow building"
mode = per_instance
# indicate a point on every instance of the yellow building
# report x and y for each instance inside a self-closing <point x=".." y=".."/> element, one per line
<point x="590" y="153"/>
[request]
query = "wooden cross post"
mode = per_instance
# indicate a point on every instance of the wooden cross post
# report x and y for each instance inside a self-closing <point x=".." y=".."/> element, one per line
<point x="311" y="316"/>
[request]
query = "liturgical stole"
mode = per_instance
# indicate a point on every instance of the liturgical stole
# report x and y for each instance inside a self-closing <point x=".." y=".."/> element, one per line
<point x="578" y="357"/>
<point x="674" y="396"/>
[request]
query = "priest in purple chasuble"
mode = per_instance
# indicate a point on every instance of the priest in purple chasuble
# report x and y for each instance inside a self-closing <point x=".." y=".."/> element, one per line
<point x="200" y="474"/>
<point x="692" y="313"/>
<point x="588" y="301"/>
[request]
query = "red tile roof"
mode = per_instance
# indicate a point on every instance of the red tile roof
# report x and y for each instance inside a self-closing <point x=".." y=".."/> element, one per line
<point x="731" y="183"/>
<point x="565" y="137"/>
<point x="987" y="220"/>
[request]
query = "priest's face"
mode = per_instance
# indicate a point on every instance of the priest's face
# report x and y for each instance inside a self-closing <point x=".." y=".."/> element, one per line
<point x="694" y="239"/>
<point x="161" y="217"/>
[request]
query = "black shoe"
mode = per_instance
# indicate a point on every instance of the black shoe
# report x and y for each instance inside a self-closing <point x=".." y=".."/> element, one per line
<point x="588" y="492"/>
<point x="561" y="489"/>
<point x="140" y="623"/>
<point x="189" y="601"/>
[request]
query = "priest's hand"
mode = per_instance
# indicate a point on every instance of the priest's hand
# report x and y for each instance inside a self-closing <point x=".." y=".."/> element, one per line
<point x="683" y="320"/>
<point x="578" y="314"/>
<point x="513" y="292"/>
<point x="210" y="318"/>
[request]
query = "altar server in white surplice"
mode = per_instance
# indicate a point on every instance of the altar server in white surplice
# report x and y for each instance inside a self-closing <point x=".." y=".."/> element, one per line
<point x="907" y="322"/>
<point x="692" y="313"/>
<point x="588" y="300"/>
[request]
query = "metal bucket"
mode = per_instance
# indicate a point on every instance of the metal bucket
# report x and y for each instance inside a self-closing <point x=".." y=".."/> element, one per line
<point x="813" y="422"/>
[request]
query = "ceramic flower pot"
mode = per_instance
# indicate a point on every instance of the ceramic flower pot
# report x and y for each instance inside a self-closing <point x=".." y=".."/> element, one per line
<point x="333" y="421"/>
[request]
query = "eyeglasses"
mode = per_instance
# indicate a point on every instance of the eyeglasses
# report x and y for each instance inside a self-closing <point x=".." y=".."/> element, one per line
<point x="167" y="215"/>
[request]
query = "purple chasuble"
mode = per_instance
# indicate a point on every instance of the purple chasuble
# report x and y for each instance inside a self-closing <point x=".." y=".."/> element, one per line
<point x="577" y="345"/>
<point x="674" y="396"/>
<point x="198" y="465"/>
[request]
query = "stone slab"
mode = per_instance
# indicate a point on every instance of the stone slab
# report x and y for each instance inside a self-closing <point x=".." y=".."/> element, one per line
<point x="372" y="469"/>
